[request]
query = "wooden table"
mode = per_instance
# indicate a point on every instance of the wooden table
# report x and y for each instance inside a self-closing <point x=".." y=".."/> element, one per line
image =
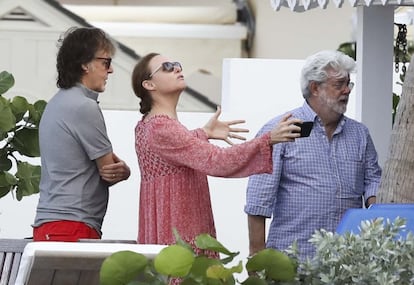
<point x="71" y="263"/>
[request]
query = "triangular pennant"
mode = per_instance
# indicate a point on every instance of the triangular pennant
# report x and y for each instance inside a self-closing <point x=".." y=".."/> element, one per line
<point x="306" y="4"/>
<point x="323" y="3"/>
<point x="338" y="3"/>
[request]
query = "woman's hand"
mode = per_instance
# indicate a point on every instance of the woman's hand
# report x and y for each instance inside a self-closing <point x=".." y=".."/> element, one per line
<point x="216" y="129"/>
<point x="285" y="130"/>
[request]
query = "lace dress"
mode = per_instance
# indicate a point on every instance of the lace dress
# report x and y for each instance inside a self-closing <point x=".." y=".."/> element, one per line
<point x="174" y="164"/>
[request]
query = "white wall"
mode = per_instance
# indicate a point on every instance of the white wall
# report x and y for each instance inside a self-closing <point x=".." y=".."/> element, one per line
<point x="254" y="89"/>
<point x="39" y="66"/>
<point x="286" y="34"/>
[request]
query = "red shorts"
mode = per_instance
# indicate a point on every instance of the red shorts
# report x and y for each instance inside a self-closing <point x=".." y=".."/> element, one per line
<point x="64" y="231"/>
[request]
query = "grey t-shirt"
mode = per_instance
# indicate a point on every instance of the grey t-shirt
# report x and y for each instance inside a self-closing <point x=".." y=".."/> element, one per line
<point x="72" y="134"/>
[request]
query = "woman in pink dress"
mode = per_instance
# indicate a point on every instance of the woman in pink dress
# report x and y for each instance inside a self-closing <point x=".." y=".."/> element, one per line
<point x="174" y="161"/>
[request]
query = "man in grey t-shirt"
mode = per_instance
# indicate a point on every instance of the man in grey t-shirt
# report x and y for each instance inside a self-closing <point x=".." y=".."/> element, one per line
<point x="78" y="164"/>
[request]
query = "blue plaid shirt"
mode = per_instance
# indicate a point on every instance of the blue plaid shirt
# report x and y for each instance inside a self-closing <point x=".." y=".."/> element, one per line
<point x="314" y="181"/>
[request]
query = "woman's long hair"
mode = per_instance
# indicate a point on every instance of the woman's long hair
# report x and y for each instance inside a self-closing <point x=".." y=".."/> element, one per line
<point x="141" y="73"/>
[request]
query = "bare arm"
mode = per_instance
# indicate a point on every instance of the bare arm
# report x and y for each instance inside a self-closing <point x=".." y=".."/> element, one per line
<point x="256" y="226"/>
<point x="112" y="169"/>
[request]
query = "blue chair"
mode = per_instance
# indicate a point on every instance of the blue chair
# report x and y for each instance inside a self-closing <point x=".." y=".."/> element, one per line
<point x="392" y="206"/>
<point x="352" y="218"/>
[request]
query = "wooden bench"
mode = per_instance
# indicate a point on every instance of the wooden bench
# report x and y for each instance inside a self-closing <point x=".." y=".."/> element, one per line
<point x="11" y="251"/>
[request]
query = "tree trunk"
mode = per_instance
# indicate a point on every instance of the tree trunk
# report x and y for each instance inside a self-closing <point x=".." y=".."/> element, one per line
<point x="397" y="183"/>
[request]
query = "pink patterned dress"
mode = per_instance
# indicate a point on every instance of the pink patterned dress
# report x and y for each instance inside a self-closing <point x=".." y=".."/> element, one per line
<point x="174" y="164"/>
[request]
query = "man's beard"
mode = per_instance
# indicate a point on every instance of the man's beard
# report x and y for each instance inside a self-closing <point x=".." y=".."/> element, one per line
<point x="338" y="105"/>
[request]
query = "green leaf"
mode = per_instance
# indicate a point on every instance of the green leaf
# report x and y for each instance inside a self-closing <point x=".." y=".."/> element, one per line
<point x="254" y="280"/>
<point x="277" y="265"/>
<point x="5" y="162"/>
<point x="7" y="179"/>
<point x="19" y="107"/>
<point x="122" y="267"/>
<point x="26" y="142"/>
<point x="28" y="179"/>
<point x="192" y="281"/>
<point x="180" y="241"/>
<point x="205" y="241"/>
<point x="36" y="111"/>
<point x="174" y="260"/>
<point x="395" y="101"/>
<point x="3" y="135"/>
<point x="4" y="191"/>
<point x="201" y="264"/>
<point x="348" y="48"/>
<point x="6" y="81"/>
<point x="7" y="119"/>
<point x="222" y="273"/>
<point x="7" y="183"/>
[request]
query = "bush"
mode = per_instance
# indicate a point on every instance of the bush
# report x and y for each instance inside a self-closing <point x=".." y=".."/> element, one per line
<point x="378" y="255"/>
<point x="19" y="122"/>
<point x="179" y="261"/>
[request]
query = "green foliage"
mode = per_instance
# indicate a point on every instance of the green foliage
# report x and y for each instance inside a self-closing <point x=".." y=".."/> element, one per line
<point x="116" y="267"/>
<point x="19" y="138"/>
<point x="163" y="264"/>
<point x="378" y="255"/>
<point x="274" y="264"/>
<point x="348" y="48"/>
<point x="178" y="261"/>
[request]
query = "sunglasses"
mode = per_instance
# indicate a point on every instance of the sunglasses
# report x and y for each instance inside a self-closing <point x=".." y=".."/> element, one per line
<point x="106" y="61"/>
<point x="167" y="67"/>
